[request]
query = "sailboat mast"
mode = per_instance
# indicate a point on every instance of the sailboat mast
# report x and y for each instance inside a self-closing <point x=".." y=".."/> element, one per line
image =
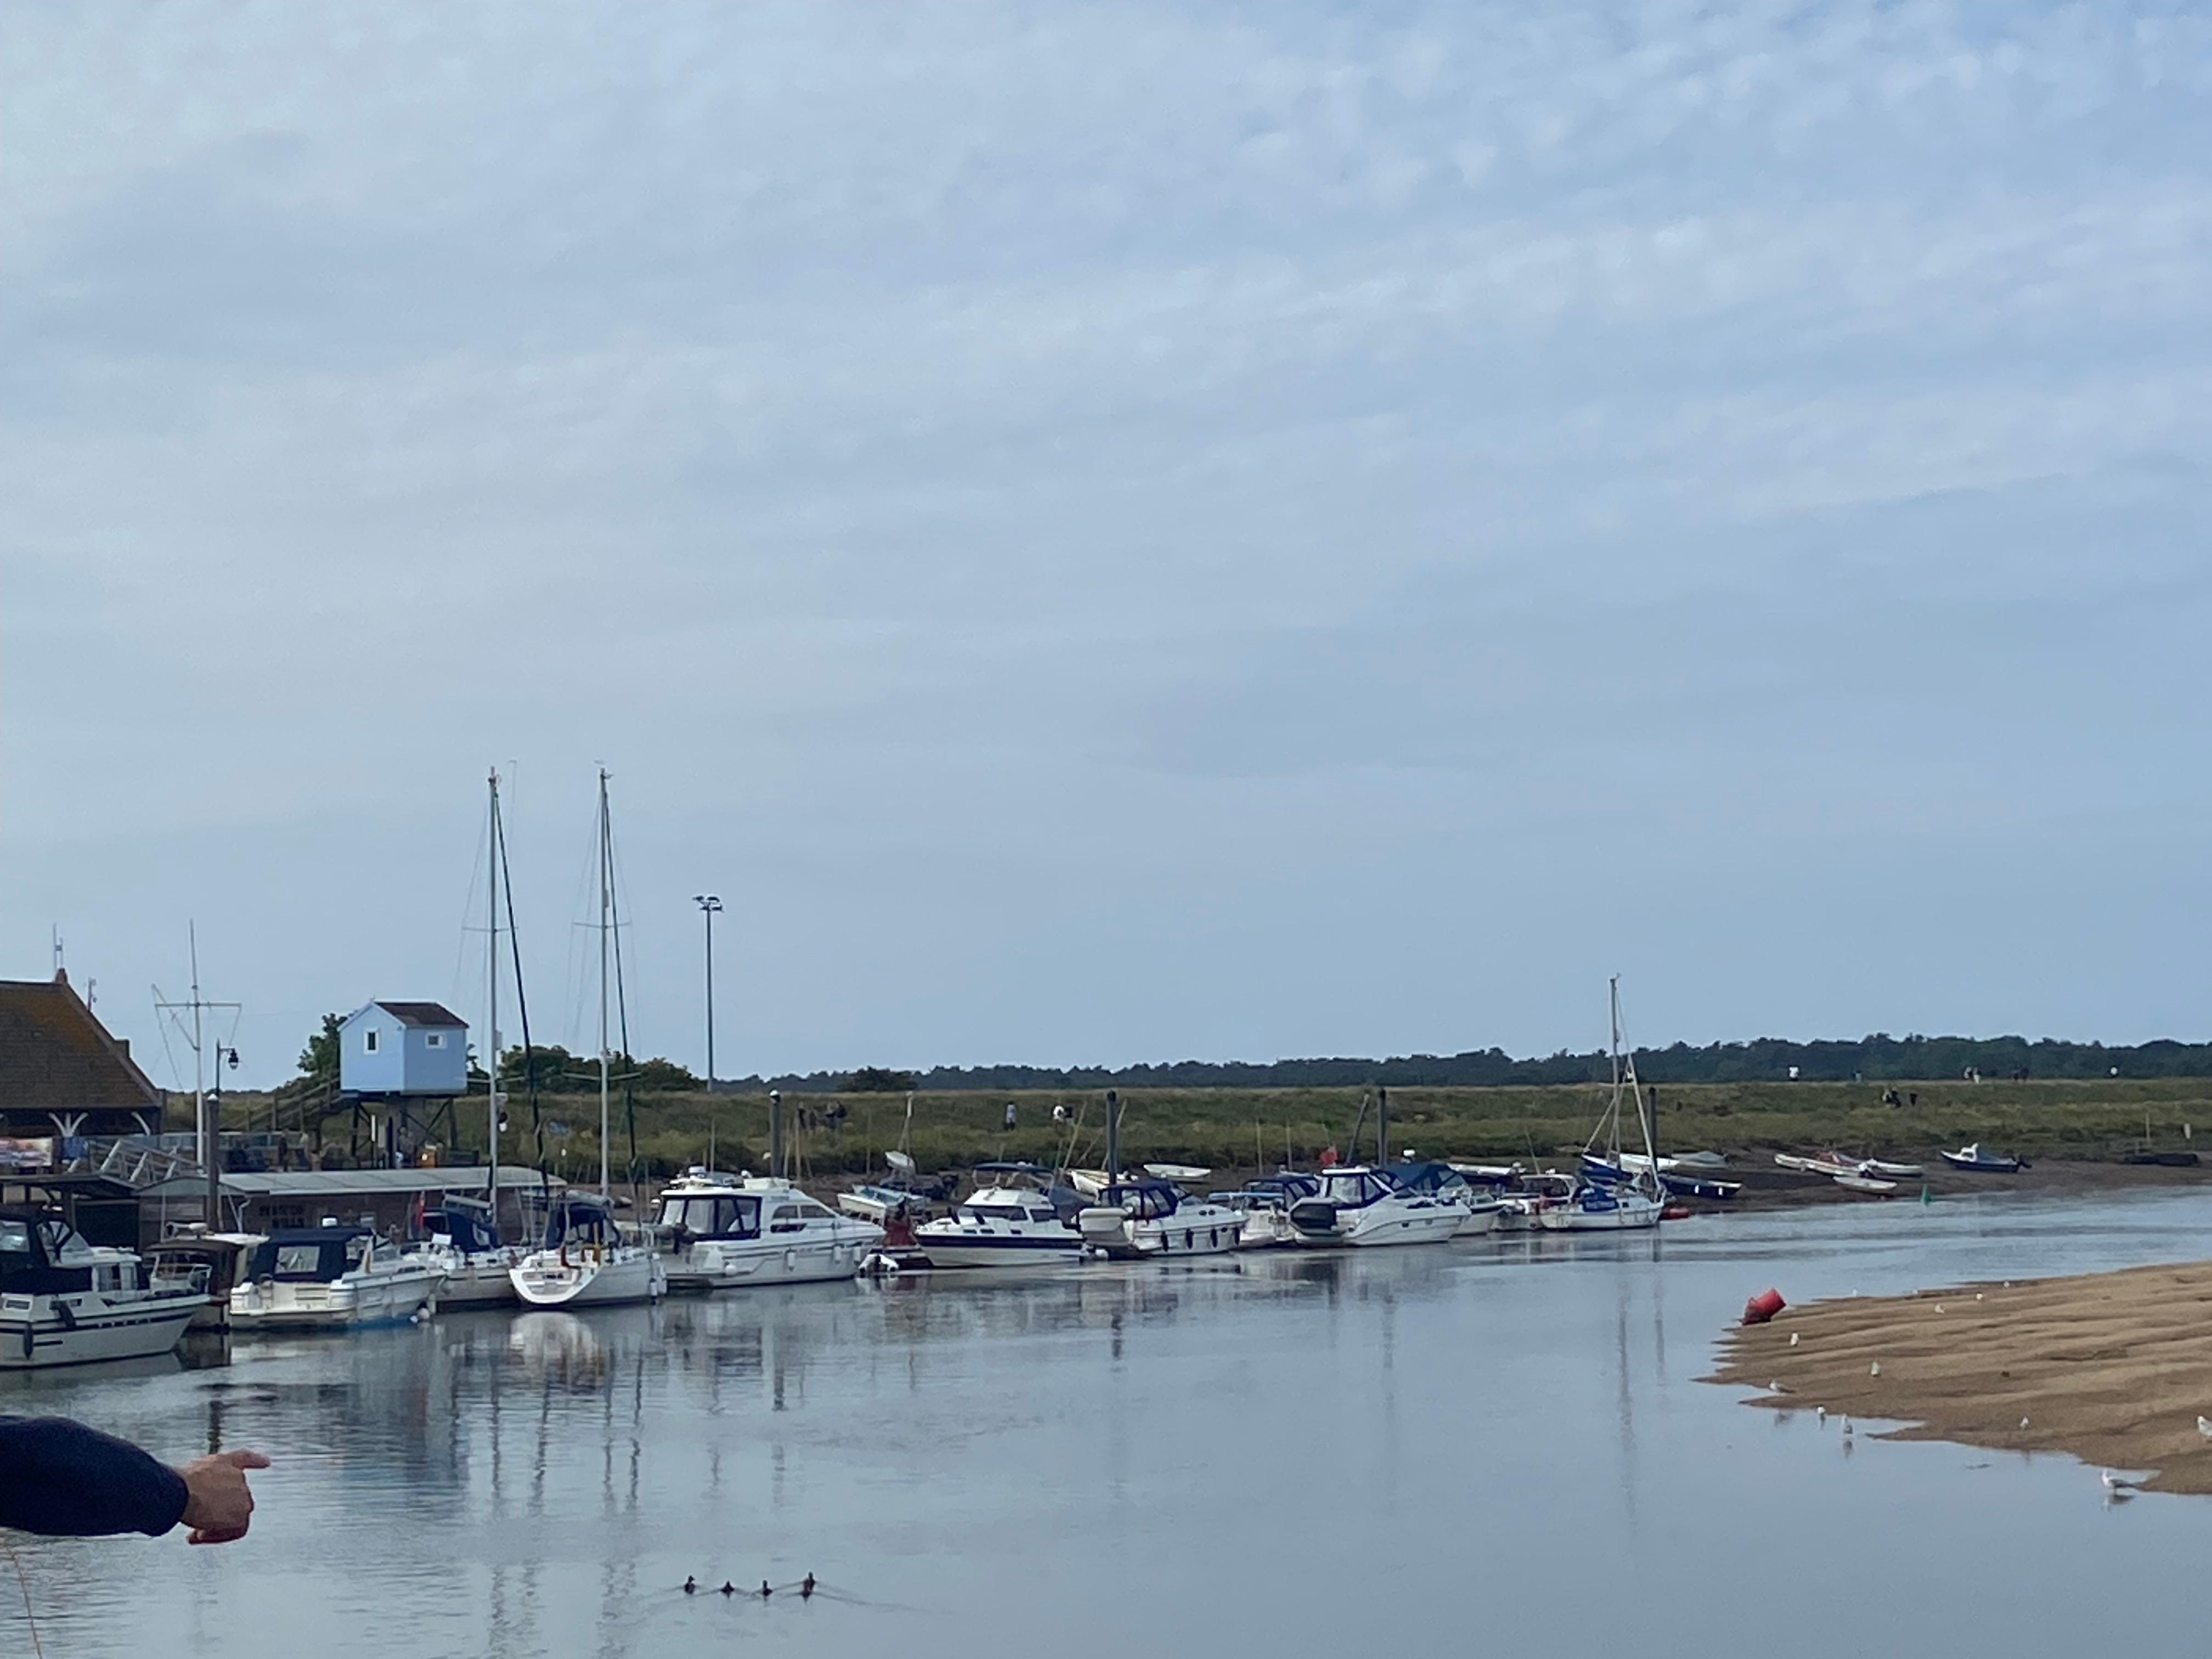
<point x="491" y="1002"/>
<point x="605" y="901"/>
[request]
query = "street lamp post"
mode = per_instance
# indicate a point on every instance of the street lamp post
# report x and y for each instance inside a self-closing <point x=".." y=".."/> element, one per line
<point x="709" y="906"/>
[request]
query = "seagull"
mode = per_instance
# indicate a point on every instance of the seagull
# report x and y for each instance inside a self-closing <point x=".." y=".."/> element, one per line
<point x="1776" y="1388"/>
<point x="2204" y="1427"/>
<point x="1847" y="1428"/>
<point x="1875" y="1370"/>
<point x="2023" y="1422"/>
<point x="1978" y="1295"/>
<point x="806" y="1587"/>
<point x="1939" y="1307"/>
<point x="691" y="1585"/>
<point x="1793" y="1338"/>
<point x="2113" y="1483"/>
<point x="1819" y="1414"/>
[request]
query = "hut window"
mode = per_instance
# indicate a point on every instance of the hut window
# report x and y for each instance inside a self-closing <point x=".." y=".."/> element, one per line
<point x="369" y="1045"/>
<point x="435" y="1039"/>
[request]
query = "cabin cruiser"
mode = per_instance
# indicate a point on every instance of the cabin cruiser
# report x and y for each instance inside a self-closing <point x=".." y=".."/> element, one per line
<point x="461" y="1243"/>
<point x="1017" y="1215"/>
<point x="587" y="1261"/>
<point x="1532" y="1191"/>
<point x="64" y="1302"/>
<point x="1264" y="1205"/>
<point x="1357" y="1205"/>
<point x="1981" y="1159"/>
<point x="1442" y="1181"/>
<point x="902" y="1191"/>
<point x="1152" y="1217"/>
<point x="192" y="1257"/>
<point x="332" y="1277"/>
<point x="723" y="1231"/>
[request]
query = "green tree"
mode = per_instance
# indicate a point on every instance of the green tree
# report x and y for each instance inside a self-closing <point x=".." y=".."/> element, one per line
<point x="320" y="1057"/>
<point x="877" y="1081"/>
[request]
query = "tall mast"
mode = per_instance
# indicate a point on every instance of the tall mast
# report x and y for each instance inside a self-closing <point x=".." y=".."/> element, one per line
<point x="491" y="1002"/>
<point x="606" y="905"/>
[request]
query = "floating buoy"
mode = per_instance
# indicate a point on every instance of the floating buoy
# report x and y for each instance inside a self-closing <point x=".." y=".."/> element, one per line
<point x="1763" y="1307"/>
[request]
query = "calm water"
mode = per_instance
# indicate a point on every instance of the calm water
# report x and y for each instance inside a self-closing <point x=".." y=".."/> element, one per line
<point x="1490" y="1442"/>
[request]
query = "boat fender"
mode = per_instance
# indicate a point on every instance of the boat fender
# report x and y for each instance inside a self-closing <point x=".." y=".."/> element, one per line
<point x="1763" y="1307"/>
<point x="27" y="1338"/>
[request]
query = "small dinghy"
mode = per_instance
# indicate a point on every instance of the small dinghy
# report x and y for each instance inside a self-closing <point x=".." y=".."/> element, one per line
<point x="1981" y="1161"/>
<point x="1859" y="1184"/>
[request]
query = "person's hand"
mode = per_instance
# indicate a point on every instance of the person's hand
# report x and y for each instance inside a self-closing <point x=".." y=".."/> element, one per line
<point x="218" y="1505"/>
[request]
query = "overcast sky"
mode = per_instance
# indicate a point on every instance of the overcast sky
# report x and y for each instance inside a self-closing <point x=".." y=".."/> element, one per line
<point x="1114" y="534"/>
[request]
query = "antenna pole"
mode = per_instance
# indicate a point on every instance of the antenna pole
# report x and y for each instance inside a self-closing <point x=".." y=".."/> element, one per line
<point x="605" y="1190"/>
<point x="491" y="1005"/>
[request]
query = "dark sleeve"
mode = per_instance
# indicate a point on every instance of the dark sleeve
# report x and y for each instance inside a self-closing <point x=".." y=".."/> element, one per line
<point x="59" y="1477"/>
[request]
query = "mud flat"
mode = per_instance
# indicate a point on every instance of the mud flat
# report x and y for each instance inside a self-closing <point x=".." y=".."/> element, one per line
<point x="2113" y="1368"/>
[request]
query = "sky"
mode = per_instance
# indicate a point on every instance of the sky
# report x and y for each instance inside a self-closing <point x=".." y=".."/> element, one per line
<point x="1113" y="533"/>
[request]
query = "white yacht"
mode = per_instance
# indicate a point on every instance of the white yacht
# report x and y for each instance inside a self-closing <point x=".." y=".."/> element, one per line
<point x="723" y="1231"/>
<point x="1483" y="1208"/>
<point x="1139" y="1218"/>
<point x="323" y="1279"/>
<point x="1614" y="1197"/>
<point x="586" y="1262"/>
<point x="1356" y="1205"/>
<point x="64" y="1302"/>
<point x="1265" y="1205"/>
<point x="461" y="1243"/>
<point x="1014" y="1217"/>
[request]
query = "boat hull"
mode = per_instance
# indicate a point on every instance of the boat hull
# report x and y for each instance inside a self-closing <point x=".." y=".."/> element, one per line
<point x="1633" y="1213"/>
<point x="730" y="1265"/>
<point x="36" y="1334"/>
<point x="381" y="1299"/>
<point x="1117" y="1235"/>
<point x="1374" y="1226"/>
<point x="995" y="1251"/>
<point x="588" y="1280"/>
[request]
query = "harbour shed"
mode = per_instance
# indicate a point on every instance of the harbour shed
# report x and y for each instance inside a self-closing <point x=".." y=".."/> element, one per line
<point x="404" y="1048"/>
<point x="386" y="1199"/>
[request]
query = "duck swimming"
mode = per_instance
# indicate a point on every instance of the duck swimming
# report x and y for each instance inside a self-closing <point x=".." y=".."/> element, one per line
<point x="691" y="1585"/>
<point x="728" y="1588"/>
<point x="806" y="1587"/>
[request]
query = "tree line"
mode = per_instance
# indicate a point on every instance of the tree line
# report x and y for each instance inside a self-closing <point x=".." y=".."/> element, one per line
<point x="1876" y="1058"/>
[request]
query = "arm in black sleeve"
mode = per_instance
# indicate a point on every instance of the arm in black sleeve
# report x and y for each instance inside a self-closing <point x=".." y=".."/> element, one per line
<point x="59" y="1477"/>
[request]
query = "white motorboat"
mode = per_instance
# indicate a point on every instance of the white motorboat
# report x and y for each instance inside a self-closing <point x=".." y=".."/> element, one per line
<point x="1014" y="1217"/>
<point x="1140" y="1218"/>
<point x="192" y="1257"/>
<point x="1533" y="1193"/>
<point x="1185" y="1172"/>
<point x="1264" y="1205"/>
<point x="586" y="1262"/>
<point x="327" y="1278"/>
<point x="1356" y="1207"/>
<point x="461" y="1243"/>
<point x="723" y="1231"/>
<point x="64" y="1302"/>
<point x="1483" y="1209"/>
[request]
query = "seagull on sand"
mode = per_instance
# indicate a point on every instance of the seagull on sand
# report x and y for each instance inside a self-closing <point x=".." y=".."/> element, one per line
<point x="1776" y="1388"/>
<point x="1793" y="1338"/>
<point x="1939" y="1307"/>
<point x="2204" y="1427"/>
<point x="1875" y="1370"/>
<point x="2023" y="1422"/>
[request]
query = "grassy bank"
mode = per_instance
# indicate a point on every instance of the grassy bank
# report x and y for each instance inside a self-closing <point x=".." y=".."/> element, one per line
<point x="1237" y="1128"/>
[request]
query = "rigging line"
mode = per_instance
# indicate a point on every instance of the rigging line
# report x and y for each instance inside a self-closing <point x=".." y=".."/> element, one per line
<point x="521" y="1003"/>
<point x="621" y="1006"/>
<point x="468" y="910"/>
<point x="29" y="1618"/>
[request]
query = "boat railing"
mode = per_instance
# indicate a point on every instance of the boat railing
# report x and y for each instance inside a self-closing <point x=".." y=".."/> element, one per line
<point x="135" y="1161"/>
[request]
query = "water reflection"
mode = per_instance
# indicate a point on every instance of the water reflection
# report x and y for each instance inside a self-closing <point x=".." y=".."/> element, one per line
<point x="1063" y="1444"/>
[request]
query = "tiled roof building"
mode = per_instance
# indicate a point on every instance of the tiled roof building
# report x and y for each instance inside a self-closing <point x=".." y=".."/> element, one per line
<point x="60" y="1071"/>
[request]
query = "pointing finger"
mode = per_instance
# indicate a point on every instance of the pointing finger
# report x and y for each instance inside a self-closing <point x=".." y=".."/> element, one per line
<point x="245" y="1460"/>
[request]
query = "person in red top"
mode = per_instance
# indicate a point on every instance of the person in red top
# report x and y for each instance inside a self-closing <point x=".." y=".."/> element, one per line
<point x="64" y="1479"/>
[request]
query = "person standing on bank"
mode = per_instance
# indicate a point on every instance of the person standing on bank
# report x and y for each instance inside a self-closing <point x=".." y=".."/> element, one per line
<point x="64" y="1479"/>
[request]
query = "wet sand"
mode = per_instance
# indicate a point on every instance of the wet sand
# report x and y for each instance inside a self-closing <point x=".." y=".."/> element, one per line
<point x="2112" y="1368"/>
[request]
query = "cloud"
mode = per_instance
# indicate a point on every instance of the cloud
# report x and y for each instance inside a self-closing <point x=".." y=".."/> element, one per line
<point x="1083" y="434"/>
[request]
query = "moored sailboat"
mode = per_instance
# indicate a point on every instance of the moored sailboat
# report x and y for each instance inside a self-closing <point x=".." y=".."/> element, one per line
<point x="1630" y="1199"/>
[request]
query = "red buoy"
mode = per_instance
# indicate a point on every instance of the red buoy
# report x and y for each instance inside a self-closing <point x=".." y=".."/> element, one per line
<point x="1763" y="1307"/>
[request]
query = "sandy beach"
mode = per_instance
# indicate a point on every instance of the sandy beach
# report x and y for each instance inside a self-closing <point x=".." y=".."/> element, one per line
<point x="2114" y="1368"/>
